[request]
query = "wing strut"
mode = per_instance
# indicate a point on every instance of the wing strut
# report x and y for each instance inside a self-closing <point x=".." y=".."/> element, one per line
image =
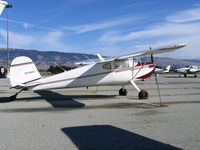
<point x="143" y="94"/>
<point x="156" y="80"/>
<point x="135" y="86"/>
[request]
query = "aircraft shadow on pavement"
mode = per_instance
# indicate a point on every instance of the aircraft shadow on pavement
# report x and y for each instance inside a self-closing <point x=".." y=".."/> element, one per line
<point x="106" y="137"/>
<point x="66" y="101"/>
<point x="58" y="100"/>
<point x="5" y="99"/>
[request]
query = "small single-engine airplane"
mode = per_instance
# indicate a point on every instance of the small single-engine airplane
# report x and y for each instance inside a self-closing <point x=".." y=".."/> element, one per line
<point x="116" y="71"/>
<point x="191" y="69"/>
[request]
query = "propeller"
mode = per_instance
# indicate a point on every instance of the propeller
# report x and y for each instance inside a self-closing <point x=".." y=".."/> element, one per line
<point x="156" y="80"/>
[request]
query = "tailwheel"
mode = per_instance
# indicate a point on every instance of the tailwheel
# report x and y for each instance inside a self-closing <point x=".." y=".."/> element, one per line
<point x="123" y="92"/>
<point x="13" y="97"/>
<point x="143" y="94"/>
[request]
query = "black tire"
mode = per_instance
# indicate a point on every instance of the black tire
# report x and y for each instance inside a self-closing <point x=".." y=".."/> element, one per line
<point x="143" y="94"/>
<point x="123" y="92"/>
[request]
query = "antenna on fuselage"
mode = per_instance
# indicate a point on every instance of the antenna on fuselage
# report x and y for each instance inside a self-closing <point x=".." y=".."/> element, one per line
<point x="88" y="58"/>
<point x="100" y="57"/>
<point x="60" y="67"/>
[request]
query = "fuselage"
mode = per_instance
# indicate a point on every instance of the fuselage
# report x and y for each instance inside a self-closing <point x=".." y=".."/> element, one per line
<point x="98" y="74"/>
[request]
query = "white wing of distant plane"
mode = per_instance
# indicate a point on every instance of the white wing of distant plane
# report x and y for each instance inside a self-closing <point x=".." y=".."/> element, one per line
<point x="148" y="52"/>
<point x="2" y="6"/>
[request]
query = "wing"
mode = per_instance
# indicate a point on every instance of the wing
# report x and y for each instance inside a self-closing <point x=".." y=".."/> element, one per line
<point x="148" y="52"/>
<point x="2" y="6"/>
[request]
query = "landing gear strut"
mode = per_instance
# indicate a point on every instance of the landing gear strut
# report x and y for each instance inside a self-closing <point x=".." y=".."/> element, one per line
<point x="143" y="94"/>
<point x="13" y="97"/>
<point x="123" y="92"/>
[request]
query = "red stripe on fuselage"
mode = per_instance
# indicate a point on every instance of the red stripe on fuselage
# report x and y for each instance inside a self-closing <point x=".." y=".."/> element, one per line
<point x="91" y="75"/>
<point x="146" y="75"/>
<point x="144" y="63"/>
<point x="21" y="64"/>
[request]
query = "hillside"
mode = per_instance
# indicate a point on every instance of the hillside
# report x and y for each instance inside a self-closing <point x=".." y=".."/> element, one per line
<point x="43" y="59"/>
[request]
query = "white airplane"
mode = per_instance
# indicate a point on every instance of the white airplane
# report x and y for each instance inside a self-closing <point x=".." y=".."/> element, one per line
<point x="191" y="69"/>
<point x="116" y="71"/>
<point x="160" y="71"/>
<point x="3" y="4"/>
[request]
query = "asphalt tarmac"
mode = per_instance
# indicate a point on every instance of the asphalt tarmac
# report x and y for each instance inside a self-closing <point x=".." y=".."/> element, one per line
<point x="98" y="119"/>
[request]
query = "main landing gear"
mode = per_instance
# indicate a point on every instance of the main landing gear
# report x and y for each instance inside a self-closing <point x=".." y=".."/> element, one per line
<point x="123" y="92"/>
<point x="143" y="94"/>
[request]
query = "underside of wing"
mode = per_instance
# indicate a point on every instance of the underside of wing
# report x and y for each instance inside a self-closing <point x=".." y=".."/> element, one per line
<point x="148" y="52"/>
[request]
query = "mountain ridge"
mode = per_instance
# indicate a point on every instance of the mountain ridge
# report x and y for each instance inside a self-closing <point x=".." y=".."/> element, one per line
<point x="43" y="59"/>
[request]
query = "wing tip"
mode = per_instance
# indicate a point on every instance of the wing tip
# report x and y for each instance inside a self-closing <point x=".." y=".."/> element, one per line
<point x="181" y="45"/>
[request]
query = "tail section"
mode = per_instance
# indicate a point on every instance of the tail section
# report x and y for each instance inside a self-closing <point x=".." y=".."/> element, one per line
<point x="167" y="69"/>
<point x="22" y="71"/>
<point x="2" y="6"/>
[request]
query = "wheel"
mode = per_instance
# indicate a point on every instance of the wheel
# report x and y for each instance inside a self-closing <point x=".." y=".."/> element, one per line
<point x="123" y="92"/>
<point x="195" y="75"/>
<point x="185" y="75"/>
<point x="143" y="94"/>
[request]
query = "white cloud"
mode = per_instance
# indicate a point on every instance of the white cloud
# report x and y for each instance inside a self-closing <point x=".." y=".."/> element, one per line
<point x="47" y="41"/>
<point x="175" y="30"/>
<point x="52" y="40"/>
<point x="27" y="25"/>
<point x="165" y="30"/>
<point x="98" y="26"/>
<point x="18" y="39"/>
<point x="185" y="16"/>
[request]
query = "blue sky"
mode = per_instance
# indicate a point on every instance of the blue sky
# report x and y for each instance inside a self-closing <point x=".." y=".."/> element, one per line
<point x="108" y="27"/>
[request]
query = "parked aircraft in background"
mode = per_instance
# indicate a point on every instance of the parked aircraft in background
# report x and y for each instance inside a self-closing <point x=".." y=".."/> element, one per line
<point x="191" y="69"/>
<point x="160" y="71"/>
<point x="116" y="71"/>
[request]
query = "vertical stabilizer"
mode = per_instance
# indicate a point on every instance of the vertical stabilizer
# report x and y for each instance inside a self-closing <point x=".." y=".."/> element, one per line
<point x="167" y="69"/>
<point x="22" y="71"/>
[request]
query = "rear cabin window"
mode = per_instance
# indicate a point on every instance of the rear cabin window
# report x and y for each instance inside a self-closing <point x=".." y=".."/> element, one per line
<point x="121" y="64"/>
<point x="107" y="66"/>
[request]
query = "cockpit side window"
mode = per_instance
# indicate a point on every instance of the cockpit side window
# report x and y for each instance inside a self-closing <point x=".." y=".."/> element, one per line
<point x="107" y="66"/>
<point x="121" y="64"/>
